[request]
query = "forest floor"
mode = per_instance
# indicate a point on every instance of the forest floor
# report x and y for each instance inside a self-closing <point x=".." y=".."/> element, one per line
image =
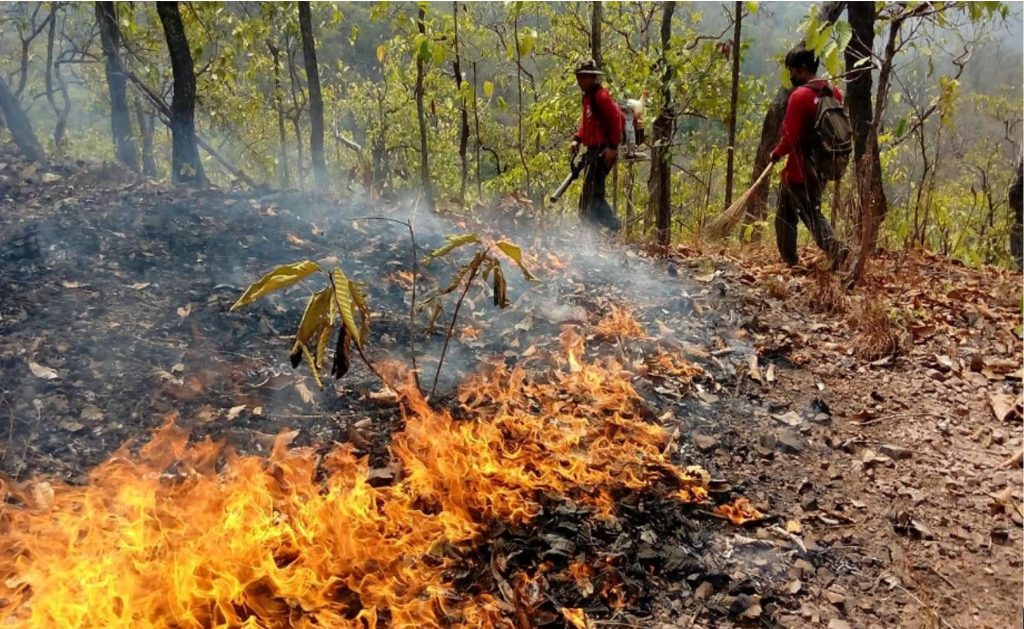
<point x="875" y="430"/>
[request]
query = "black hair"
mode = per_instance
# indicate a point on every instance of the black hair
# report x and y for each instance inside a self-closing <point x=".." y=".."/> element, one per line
<point x="801" y="57"/>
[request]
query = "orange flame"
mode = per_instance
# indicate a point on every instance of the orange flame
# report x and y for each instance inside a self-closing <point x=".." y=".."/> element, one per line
<point x="193" y="536"/>
<point x="620" y="323"/>
<point x="740" y="511"/>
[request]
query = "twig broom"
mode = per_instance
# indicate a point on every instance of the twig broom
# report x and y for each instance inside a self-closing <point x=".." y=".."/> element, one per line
<point x="728" y="219"/>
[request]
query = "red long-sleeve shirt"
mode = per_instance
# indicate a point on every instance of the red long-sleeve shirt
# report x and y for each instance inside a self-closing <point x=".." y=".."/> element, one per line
<point x="602" y="121"/>
<point x="798" y="123"/>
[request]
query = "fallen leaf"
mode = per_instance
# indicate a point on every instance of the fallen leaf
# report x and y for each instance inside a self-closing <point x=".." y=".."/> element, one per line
<point x="68" y="284"/>
<point x="40" y="371"/>
<point x="304" y="392"/>
<point x="91" y="412"/>
<point x="1004" y="406"/>
<point x="206" y="414"/>
<point x="234" y="411"/>
<point x="185" y="310"/>
<point x="139" y="285"/>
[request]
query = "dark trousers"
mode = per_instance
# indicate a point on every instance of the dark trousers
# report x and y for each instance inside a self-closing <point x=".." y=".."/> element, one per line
<point x="804" y="201"/>
<point x="594" y="207"/>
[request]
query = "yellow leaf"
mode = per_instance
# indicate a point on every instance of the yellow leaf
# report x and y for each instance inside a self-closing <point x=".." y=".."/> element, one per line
<point x="280" y="277"/>
<point x="312" y="365"/>
<point x="321" y="345"/>
<point x="454" y="242"/>
<point x="343" y="296"/>
<point x="317" y="316"/>
<point x="40" y="371"/>
<point x="575" y="617"/>
<point x="516" y="254"/>
<point x="382" y="51"/>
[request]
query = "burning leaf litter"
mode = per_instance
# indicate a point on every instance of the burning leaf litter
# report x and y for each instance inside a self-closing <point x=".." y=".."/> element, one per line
<point x="167" y="537"/>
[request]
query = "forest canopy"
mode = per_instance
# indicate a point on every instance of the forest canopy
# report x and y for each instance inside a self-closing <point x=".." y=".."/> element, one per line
<point x="463" y="102"/>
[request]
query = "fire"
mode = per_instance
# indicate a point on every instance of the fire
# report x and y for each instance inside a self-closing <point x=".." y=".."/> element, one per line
<point x="185" y="534"/>
<point x="620" y="323"/>
<point x="739" y="511"/>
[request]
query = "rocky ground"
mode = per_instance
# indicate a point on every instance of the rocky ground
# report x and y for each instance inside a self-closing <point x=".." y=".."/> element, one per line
<point x="877" y="430"/>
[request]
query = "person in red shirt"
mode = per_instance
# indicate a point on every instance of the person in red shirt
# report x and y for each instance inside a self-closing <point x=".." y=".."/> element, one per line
<point x="800" y="191"/>
<point x="600" y="133"/>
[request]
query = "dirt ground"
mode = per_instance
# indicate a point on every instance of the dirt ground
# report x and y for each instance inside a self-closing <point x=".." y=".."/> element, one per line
<point x="875" y="429"/>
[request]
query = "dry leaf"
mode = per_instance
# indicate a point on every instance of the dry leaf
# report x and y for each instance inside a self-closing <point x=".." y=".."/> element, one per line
<point x="185" y="310"/>
<point x="234" y="411"/>
<point x="139" y="285"/>
<point x="40" y="371"/>
<point x="304" y="392"/>
<point x="68" y="284"/>
<point x="206" y="414"/>
<point x="91" y="412"/>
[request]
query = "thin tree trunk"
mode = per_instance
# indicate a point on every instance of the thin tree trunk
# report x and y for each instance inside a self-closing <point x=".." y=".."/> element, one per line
<point x="120" y="119"/>
<point x="19" y="126"/>
<point x="519" y="100"/>
<point x="733" y="102"/>
<point x="476" y="123"/>
<point x="61" y="113"/>
<point x="663" y="132"/>
<point x="771" y="128"/>
<point x="595" y="32"/>
<point x="1016" y="200"/>
<point x="428" y="187"/>
<point x="296" y="118"/>
<point x="146" y="125"/>
<point x="862" y="17"/>
<point x="275" y="53"/>
<point x="185" y="164"/>
<point x="464" y="115"/>
<point x="316" y="101"/>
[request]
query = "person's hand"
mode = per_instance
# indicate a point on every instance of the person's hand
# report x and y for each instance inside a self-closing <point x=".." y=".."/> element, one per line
<point x="574" y="148"/>
<point x="610" y="155"/>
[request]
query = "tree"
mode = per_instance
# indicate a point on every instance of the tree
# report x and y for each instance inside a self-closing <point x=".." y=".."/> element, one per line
<point x="147" y="121"/>
<point x="275" y="53"/>
<point x="862" y="16"/>
<point x="733" y="101"/>
<point x="595" y="32"/>
<point x="117" y="85"/>
<point x="1016" y="198"/>
<point x="18" y="124"/>
<point x="422" y="52"/>
<point x="663" y="132"/>
<point x="463" y="114"/>
<point x="185" y="164"/>
<point x="53" y="71"/>
<point x="316" y="101"/>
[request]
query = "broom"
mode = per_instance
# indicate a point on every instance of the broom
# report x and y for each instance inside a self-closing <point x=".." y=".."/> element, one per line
<point x="728" y="219"/>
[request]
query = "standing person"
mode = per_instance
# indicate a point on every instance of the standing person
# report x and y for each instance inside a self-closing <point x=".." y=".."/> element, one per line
<point x="600" y="134"/>
<point x="802" y="181"/>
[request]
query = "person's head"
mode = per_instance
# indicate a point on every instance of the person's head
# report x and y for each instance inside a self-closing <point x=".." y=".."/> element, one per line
<point x="802" y="65"/>
<point x="588" y="75"/>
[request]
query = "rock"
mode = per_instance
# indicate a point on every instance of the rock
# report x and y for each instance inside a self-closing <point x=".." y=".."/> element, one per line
<point x="703" y="591"/>
<point x="894" y="452"/>
<point x="705" y="443"/>
<point x="788" y="441"/>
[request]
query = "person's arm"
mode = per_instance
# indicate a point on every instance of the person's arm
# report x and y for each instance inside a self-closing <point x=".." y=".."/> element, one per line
<point x="792" y="124"/>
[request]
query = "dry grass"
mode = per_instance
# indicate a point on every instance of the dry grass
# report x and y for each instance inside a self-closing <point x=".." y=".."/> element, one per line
<point x="826" y="296"/>
<point x="878" y="333"/>
<point x="776" y="288"/>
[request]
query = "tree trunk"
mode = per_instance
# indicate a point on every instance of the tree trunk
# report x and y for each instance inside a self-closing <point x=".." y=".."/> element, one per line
<point x="18" y="124"/>
<point x="519" y="100"/>
<point x="296" y="116"/>
<point x="146" y="125"/>
<point x="282" y="135"/>
<point x="862" y="16"/>
<point x="771" y="128"/>
<point x="185" y="164"/>
<point x="120" y="119"/>
<point x="316" y="101"/>
<point x="595" y="32"/>
<point x="428" y="187"/>
<point x="663" y="131"/>
<point x="464" y="128"/>
<point x="733" y="100"/>
<point x="1016" y="197"/>
<point x="60" y="128"/>
<point x="476" y="123"/>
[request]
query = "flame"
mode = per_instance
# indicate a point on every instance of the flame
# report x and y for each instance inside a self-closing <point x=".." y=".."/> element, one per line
<point x="740" y="511"/>
<point x="620" y="323"/>
<point x="191" y="535"/>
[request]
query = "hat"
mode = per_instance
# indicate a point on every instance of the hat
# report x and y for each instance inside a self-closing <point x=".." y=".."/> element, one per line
<point x="588" y="67"/>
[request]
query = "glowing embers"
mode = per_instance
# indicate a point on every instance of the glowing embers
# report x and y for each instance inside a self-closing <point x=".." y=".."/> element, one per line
<point x="166" y="538"/>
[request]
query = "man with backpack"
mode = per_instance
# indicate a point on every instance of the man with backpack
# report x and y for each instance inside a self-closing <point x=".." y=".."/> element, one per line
<point x="818" y="138"/>
<point x="600" y="133"/>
